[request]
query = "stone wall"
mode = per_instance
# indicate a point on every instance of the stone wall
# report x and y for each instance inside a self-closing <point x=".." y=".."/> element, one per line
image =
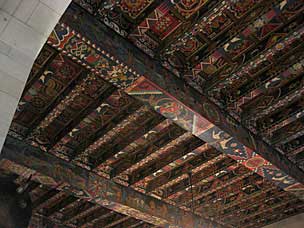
<point x="24" y="27"/>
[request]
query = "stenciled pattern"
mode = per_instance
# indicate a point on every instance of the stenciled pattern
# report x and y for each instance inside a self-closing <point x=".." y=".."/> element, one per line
<point x="146" y="91"/>
<point x="89" y="186"/>
<point x="208" y="132"/>
<point x="209" y="123"/>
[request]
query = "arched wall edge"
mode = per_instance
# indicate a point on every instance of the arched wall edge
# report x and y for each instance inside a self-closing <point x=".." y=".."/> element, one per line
<point x="24" y="28"/>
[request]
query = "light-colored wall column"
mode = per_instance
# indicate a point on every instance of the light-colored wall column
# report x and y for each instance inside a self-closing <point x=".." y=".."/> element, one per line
<point x="24" y="28"/>
<point x="292" y="222"/>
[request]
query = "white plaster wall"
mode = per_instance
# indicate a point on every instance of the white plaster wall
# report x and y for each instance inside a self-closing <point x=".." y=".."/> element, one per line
<point x="24" y="28"/>
<point x="292" y="222"/>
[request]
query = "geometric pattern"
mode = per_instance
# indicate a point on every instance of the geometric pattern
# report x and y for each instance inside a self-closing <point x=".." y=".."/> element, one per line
<point x="184" y="116"/>
<point x="205" y="114"/>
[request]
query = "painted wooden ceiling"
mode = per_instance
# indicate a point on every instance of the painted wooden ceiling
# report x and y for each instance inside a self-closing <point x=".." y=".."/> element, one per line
<point x="91" y="104"/>
<point x="53" y="207"/>
<point x="242" y="54"/>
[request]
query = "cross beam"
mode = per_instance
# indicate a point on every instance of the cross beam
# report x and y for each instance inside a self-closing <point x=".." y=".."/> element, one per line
<point x="97" y="189"/>
<point x="121" y="63"/>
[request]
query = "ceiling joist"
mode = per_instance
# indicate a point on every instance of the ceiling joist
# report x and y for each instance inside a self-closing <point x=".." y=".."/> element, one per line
<point x="149" y="82"/>
<point x="100" y="190"/>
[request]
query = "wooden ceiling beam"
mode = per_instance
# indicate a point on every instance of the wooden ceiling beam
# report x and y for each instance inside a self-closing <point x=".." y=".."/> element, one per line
<point x="94" y="215"/>
<point x="82" y="114"/>
<point x="185" y="195"/>
<point x="142" y="225"/>
<point x="264" y="192"/>
<point x="166" y="136"/>
<point x="251" y="91"/>
<point x="38" y="221"/>
<point x="276" y="215"/>
<point x="258" y="203"/>
<point x="207" y="171"/>
<point x="110" y="219"/>
<point x="100" y="190"/>
<point x="292" y="204"/>
<point x="225" y="193"/>
<point x="249" y="193"/>
<point x="65" y="87"/>
<point x="69" y="112"/>
<point x="41" y="200"/>
<point x="143" y="121"/>
<point x="170" y="153"/>
<point x="291" y="94"/>
<point x="106" y="127"/>
<point x="149" y="82"/>
<point x="288" y="119"/>
<point x="215" y="183"/>
<point x="118" y="221"/>
<point x="205" y="154"/>
<point x="32" y="185"/>
<point x="294" y="79"/>
<point x="58" y="206"/>
<point x="72" y="214"/>
<point x="287" y="131"/>
<point x="127" y="223"/>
